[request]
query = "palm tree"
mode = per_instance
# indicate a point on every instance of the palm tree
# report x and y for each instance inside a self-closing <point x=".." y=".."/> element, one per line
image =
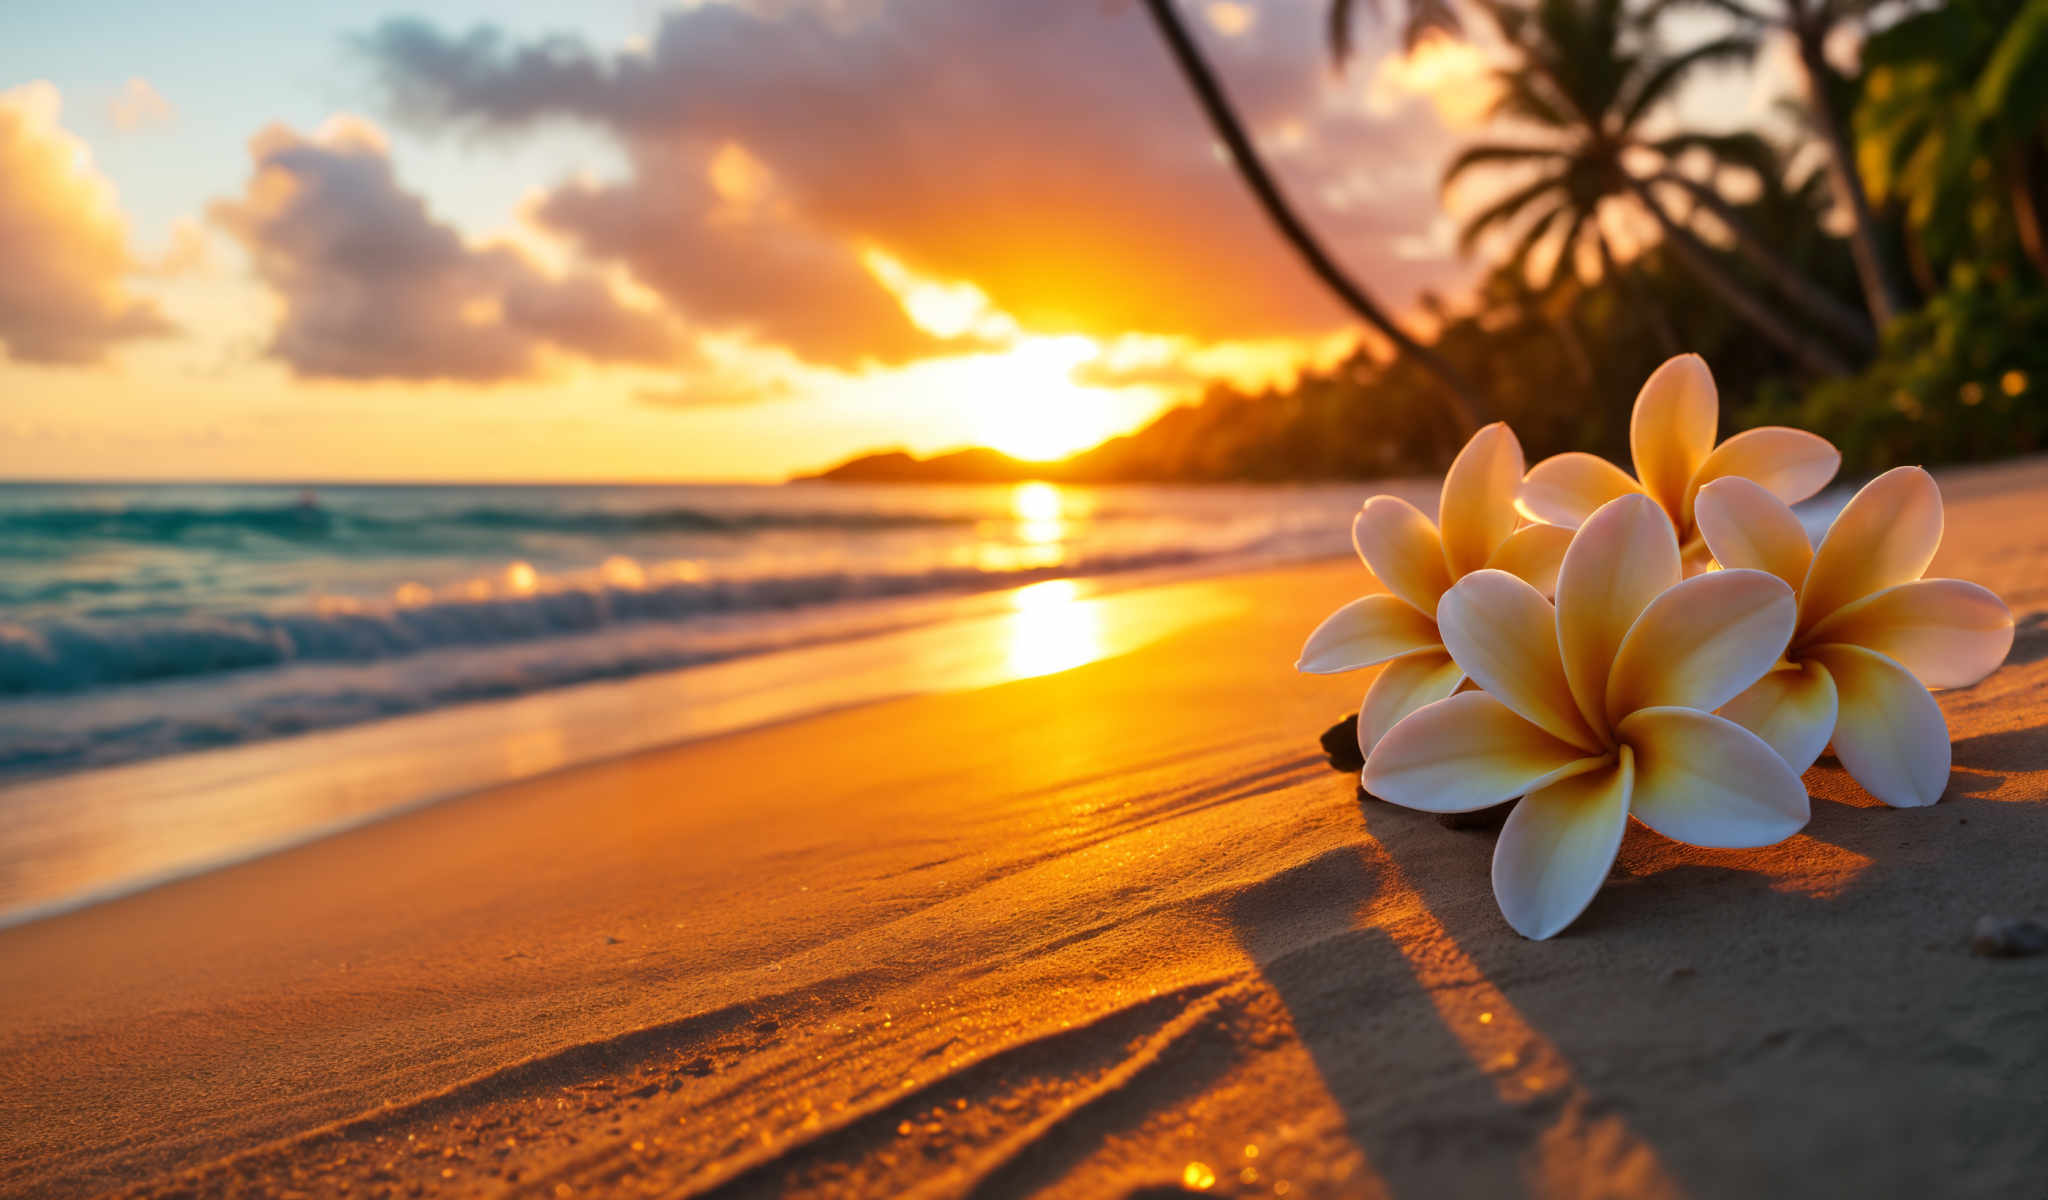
<point x="1424" y="18"/>
<point x="1507" y="298"/>
<point x="1954" y="100"/>
<point x="1465" y="404"/>
<point x="1765" y="254"/>
<point x="1586" y="93"/>
<point x="1809" y="24"/>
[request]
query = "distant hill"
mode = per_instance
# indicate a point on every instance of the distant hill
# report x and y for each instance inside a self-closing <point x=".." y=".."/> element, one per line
<point x="1318" y="429"/>
<point x="976" y="465"/>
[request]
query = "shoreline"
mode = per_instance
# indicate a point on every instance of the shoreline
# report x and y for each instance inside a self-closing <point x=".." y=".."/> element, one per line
<point x="351" y="775"/>
<point x="1088" y="930"/>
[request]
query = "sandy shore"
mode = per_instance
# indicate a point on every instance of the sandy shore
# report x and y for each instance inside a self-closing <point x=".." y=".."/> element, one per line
<point x="1104" y="931"/>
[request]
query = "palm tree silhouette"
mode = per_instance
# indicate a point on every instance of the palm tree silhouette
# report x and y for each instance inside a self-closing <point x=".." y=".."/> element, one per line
<point x="1586" y="93"/>
<point x="1464" y="400"/>
<point x="1809" y="24"/>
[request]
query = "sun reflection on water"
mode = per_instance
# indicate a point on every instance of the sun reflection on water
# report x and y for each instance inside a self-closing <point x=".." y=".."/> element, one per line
<point x="1035" y="535"/>
<point x="1053" y="629"/>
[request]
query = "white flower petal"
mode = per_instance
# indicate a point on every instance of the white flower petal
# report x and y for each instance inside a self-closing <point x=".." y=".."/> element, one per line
<point x="1477" y="510"/>
<point x="1708" y="781"/>
<point x="1886" y="535"/>
<point x="1402" y="686"/>
<point x="1464" y="753"/>
<point x="1403" y="550"/>
<point x="1672" y="429"/>
<point x="1370" y="629"/>
<point x="1790" y="464"/>
<point x="1557" y="847"/>
<point x="1533" y="554"/>
<point x="1503" y="634"/>
<point x="1623" y="557"/>
<point x="1746" y="526"/>
<point x="1565" y="489"/>
<point x="1792" y="710"/>
<point x="1889" y="732"/>
<point x="1948" y="632"/>
<point x="1702" y="642"/>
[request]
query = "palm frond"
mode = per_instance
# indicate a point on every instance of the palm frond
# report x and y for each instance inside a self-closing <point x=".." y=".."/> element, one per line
<point x="1498" y="153"/>
<point x="1664" y="78"/>
<point x="1522" y="96"/>
<point x="1425" y="17"/>
<point x="1505" y="209"/>
<point x="1736" y="10"/>
<point x="1532" y="237"/>
<point x="1742" y="149"/>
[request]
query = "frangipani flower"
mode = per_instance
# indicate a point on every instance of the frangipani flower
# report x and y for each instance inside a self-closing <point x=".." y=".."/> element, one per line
<point x="1872" y="635"/>
<point x="1671" y="436"/>
<point x="1417" y="560"/>
<point x="1599" y="707"/>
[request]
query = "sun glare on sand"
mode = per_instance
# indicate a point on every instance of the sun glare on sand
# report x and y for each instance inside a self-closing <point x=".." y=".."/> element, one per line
<point x="1053" y="629"/>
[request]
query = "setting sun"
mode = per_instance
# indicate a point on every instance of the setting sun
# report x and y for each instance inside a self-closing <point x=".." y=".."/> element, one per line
<point x="1030" y="407"/>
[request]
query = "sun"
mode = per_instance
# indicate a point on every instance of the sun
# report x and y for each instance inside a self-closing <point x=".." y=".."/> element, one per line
<point x="1027" y="404"/>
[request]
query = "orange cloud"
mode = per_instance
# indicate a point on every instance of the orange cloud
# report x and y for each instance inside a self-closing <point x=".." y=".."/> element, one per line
<point x="139" y="106"/>
<point x="373" y="287"/>
<point x="1047" y="155"/>
<point x="63" y="242"/>
<point x="1454" y="76"/>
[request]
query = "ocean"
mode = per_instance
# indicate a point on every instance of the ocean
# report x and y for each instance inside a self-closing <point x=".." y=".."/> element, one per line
<point x="233" y="667"/>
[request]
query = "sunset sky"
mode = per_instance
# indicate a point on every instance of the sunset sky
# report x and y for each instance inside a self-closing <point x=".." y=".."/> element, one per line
<point x="658" y="241"/>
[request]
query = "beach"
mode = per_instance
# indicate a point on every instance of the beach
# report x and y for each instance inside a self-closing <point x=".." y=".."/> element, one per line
<point x="1112" y="930"/>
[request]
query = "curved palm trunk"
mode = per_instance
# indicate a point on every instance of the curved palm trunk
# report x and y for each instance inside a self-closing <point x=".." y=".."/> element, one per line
<point x="1757" y="253"/>
<point x="1873" y="267"/>
<point x="1464" y="399"/>
<point x="1567" y="336"/>
<point x="1810" y="353"/>
<point x="2026" y="211"/>
<point x="1650" y="308"/>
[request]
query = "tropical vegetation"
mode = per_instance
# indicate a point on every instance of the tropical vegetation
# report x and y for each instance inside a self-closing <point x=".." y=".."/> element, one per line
<point x="1876" y="270"/>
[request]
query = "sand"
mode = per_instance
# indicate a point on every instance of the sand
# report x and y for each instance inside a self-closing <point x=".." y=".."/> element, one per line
<point x="1112" y="931"/>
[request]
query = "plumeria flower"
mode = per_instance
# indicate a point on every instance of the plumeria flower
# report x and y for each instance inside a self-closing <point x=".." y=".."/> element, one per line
<point x="1671" y="437"/>
<point x="1872" y="635"/>
<point x="1417" y="560"/>
<point x="1599" y="707"/>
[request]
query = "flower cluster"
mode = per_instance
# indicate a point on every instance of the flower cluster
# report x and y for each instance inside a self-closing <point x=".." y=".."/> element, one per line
<point x="1668" y="646"/>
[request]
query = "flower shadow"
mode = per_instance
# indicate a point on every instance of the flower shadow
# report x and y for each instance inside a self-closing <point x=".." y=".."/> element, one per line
<point x="1786" y="1000"/>
<point x="2029" y="640"/>
<point x="1446" y="1088"/>
<point x="2002" y="754"/>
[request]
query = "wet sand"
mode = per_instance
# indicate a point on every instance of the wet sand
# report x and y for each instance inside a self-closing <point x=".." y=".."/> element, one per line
<point x="1100" y="932"/>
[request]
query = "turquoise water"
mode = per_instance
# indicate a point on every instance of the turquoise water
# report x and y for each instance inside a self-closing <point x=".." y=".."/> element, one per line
<point x="145" y="620"/>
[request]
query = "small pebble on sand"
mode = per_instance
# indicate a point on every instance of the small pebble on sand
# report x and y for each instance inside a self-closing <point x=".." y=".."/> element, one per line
<point x="2008" y="937"/>
<point x="1340" y="742"/>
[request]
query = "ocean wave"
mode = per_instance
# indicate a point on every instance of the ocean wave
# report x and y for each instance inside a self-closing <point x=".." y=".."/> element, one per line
<point x="313" y="522"/>
<point x="73" y="653"/>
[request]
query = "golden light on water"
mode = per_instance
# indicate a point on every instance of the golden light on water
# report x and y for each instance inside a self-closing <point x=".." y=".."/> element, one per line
<point x="1034" y="536"/>
<point x="1053" y="629"/>
<point x="1040" y="511"/>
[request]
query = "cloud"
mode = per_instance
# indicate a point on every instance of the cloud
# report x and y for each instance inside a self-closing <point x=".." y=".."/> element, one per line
<point x="187" y="253"/>
<point x="1456" y="77"/>
<point x="373" y="287"/>
<point x="139" y="106"/>
<point x="63" y="242"/>
<point x="1045" y="153"/>
<point x="1231" y="19"/>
